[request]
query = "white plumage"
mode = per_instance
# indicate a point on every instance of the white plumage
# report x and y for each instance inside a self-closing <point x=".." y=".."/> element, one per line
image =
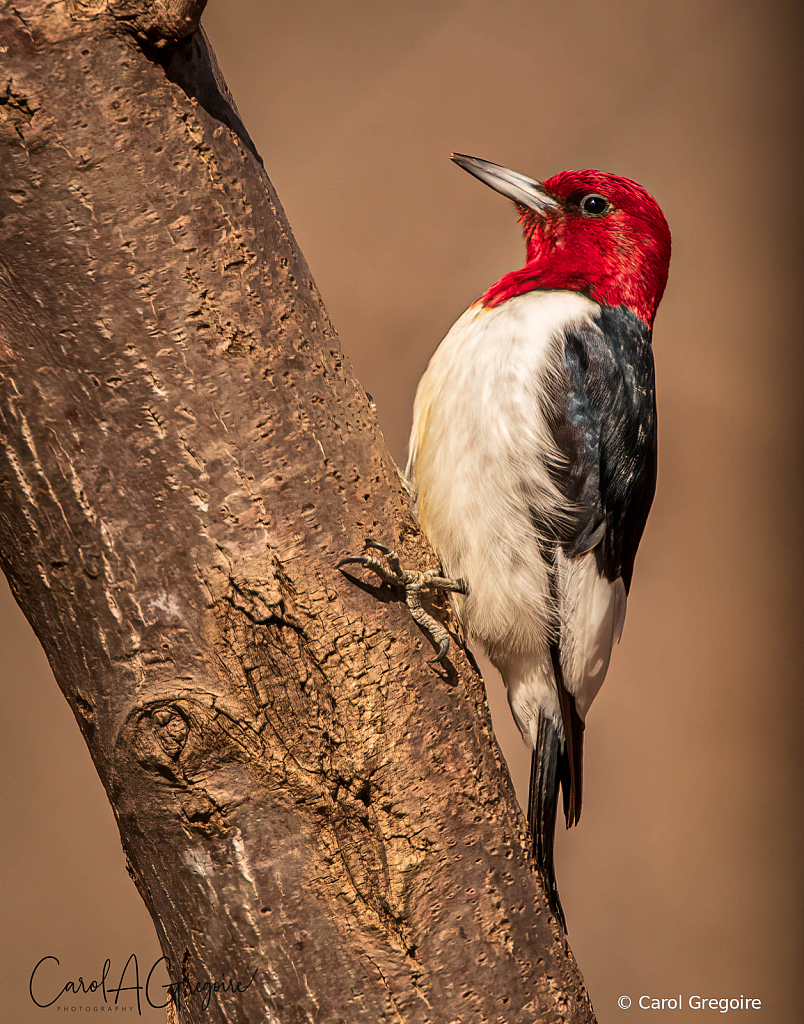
<point x="479" y="454"/>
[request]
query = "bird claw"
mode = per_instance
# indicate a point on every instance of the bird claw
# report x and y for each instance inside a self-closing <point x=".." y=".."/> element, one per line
<point x="413" y="583"/>
<point x="441" y="653"/>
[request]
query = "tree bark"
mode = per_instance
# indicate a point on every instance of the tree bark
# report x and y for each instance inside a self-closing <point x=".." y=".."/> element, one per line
<point x="185" y="456"/>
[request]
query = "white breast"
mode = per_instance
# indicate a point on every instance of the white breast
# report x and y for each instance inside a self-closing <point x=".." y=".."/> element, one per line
<point x="478" y="455"/>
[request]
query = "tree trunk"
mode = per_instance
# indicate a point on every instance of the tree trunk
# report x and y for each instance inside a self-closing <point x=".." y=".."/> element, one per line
<point x="185" y="456"/>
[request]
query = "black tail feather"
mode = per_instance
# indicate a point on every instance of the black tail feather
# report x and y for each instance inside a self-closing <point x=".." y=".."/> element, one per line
<point x="549" y="768"/>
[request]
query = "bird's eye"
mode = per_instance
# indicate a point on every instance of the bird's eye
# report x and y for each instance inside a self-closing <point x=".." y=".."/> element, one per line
<point x="595" y="205"/>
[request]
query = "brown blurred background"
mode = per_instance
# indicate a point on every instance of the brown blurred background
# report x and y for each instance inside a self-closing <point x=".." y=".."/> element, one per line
<point x="684" y="874"/>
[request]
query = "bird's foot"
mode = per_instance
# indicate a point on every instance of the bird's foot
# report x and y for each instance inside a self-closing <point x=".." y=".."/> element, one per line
<point x="413" y="582"/>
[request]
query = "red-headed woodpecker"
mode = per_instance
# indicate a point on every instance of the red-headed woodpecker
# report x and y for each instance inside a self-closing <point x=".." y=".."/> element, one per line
<point x="533" y="457"/>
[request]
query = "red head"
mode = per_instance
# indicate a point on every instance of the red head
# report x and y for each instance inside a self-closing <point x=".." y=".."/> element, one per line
<point x="585" y="231"/>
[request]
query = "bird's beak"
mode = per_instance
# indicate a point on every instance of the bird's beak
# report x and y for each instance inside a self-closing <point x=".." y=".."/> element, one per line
<point x="516" y="187"/>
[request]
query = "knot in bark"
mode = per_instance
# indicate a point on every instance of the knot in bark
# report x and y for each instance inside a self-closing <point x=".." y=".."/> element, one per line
<point x="171" y="729"/>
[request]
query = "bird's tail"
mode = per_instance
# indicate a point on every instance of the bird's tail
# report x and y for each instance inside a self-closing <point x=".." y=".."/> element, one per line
<point x="549" y="770"/>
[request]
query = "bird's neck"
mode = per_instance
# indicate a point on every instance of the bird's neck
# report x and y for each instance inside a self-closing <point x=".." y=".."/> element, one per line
<point x="617" y="282"/>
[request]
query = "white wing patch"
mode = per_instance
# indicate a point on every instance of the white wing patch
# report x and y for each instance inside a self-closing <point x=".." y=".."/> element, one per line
<point x="592" y="613"/>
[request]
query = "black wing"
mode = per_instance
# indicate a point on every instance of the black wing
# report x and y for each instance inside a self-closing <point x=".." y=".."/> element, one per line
<point x="602" y="415"/>
<point x="603" y="420"/>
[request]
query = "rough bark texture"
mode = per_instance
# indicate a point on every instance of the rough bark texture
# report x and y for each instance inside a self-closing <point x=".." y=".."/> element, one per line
<point x="185" y="455"/>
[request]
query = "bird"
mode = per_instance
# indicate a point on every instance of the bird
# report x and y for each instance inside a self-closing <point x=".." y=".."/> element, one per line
<point x="532" y="460"/>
